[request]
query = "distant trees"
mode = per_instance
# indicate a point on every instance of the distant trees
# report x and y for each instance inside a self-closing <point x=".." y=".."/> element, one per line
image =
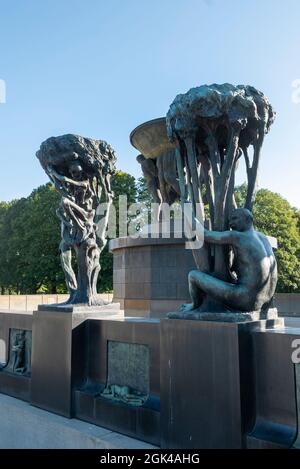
<point x="30" y="237"/>
<point x="122" y="184"/>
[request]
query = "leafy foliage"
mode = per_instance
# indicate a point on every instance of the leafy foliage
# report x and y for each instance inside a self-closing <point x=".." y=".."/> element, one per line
<point x="274" y="216"/>
<point x="29" y="240"/>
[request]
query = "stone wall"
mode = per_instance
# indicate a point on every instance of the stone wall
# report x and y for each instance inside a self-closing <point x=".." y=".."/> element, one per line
<point x="288" y="304"/>
<point x="151" y="275"/>
<point x="31" y="302"/>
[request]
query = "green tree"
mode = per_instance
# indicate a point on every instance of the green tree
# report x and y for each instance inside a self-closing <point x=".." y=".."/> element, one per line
<point x="6" y="268"/>
<point x="143" y="194"/>
<point x="274" y="216"/>
<point x="41" y="242"/>
<point x="31" y="237"/>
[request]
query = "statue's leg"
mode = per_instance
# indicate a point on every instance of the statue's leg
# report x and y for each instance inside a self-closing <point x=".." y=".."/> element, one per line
<point x="232" y="295"/>
<point x="95" y="273"/>
<point x="96" y="269"/>
<point x="157" y="197"/>
<point x="196" y="294"/>
<point x="66" y="262"/>
<point x="88" y="255"/>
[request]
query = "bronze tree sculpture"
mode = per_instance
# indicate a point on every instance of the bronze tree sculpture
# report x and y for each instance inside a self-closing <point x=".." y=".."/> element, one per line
<point x="213" y="127"/>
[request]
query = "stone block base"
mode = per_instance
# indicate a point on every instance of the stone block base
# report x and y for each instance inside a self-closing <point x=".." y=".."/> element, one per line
<point x="228" y="316"/>
<point x="207" y="384"/>
<point x="58" y="353"/>
<point x="151" y="274"/>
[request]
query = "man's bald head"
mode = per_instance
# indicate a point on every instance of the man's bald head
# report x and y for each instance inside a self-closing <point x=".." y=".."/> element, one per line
<point x="241" y="219"/>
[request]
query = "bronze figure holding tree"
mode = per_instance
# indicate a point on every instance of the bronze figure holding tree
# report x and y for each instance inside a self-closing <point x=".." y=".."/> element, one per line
<point x="80" y="169"/>
<point x="213" y="127"/>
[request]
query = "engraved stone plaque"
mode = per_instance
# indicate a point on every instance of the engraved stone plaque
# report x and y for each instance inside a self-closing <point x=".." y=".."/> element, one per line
<point x="128" y="365"/>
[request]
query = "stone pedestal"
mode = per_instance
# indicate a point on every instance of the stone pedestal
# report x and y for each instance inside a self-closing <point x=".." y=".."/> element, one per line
<point x="125" y="352"/>
<point x="207" y="382"/>
<point x="276" y="410"/>
<point x="151" y="274"/>
<point x="58" y="354"/>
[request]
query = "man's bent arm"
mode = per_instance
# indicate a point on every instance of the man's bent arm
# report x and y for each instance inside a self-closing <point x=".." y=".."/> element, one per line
<point x="219" y="237"/>
<point x="216" y="237"/>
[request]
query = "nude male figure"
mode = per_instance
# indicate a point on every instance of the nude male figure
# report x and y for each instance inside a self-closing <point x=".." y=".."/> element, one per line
<point x="150" y="173"/>
<point x="76" y="215"/>
<point x="254" y="264"/>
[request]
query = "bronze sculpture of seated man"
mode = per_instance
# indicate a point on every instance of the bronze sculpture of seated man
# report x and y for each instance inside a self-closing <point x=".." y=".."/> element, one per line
<point x="254" y="264"/>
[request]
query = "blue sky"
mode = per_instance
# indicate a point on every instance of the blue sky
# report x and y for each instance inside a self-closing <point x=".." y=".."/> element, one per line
<point x="101" y="67"/>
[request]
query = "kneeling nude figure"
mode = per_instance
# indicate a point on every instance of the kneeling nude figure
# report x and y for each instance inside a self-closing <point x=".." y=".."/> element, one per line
<point x="254" y="264"/>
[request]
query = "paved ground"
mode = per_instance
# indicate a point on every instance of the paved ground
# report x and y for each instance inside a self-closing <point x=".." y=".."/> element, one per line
<point x="24" y="426"/>
<point x="292" y="322"/>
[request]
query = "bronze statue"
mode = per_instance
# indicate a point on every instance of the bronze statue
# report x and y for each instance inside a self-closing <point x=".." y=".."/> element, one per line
<point x="124" y="394"/>
<point x="254" y="270"/>
<point x="19" y="356"/>
<point x="161" y="178"/>
<point x="80" y="169"/>
<point x="213" y="126"/>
